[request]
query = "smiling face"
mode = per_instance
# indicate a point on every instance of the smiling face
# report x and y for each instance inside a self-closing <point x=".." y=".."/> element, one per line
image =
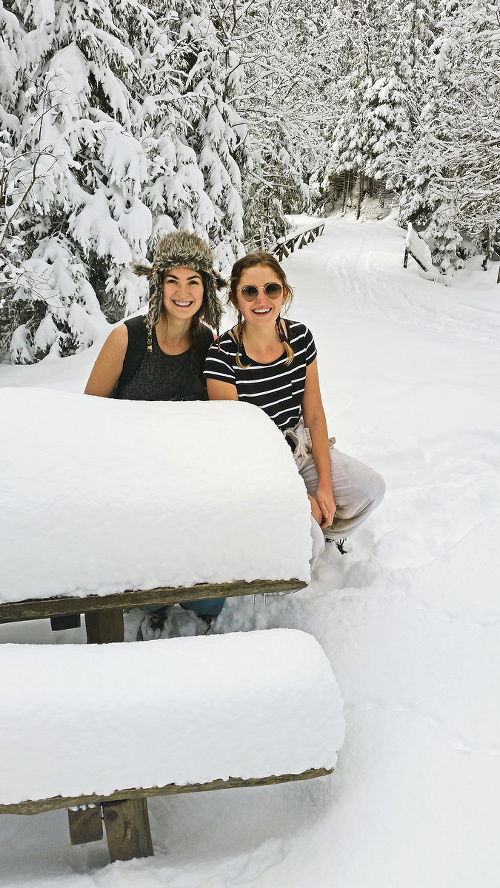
<point x="263" y="310"/>
<point x="182" y="292"/>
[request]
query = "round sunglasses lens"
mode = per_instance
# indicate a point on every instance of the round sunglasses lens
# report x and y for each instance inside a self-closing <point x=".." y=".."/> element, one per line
<point x="272" y="290"/>
<point x="249" y="292"/>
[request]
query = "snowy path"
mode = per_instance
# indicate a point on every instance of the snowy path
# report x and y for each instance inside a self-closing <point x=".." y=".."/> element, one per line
<point x="410" y="617"/>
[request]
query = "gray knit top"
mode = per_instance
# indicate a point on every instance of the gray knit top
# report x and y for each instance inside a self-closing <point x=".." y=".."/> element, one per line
<point x="162" y="377"/>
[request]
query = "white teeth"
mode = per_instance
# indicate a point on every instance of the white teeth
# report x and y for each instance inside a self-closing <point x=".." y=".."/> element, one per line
<point x="182" y="304"/>
<point x="261" y="310"/>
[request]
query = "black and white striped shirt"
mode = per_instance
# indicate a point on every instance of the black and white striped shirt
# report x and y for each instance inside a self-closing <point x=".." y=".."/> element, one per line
<point x="275" y="388"/>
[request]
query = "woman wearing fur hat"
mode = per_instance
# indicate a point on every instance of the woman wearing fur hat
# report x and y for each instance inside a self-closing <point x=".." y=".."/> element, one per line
<point x="160" y="356"/>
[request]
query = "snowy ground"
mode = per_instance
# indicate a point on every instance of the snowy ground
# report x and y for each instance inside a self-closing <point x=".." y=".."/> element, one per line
<point x="409" y="617"/>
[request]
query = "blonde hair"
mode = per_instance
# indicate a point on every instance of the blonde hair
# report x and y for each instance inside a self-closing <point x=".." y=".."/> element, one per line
<point x="260" y="257"/>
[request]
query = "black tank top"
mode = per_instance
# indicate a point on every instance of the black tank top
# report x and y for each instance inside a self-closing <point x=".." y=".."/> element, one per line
<point x="162" y="377"/>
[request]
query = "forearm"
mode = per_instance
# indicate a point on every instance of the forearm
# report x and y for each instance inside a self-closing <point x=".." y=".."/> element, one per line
<point x="324" y="502"/>
<point x="109" y="364"/>
<point x="320" y="448"/>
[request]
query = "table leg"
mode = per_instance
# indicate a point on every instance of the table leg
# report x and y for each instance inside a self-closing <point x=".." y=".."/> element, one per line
<point x="127" y="829"/>
<point x="126" y="821"/>
<point x="104" y="626"/>
<point x="85" y="824"/>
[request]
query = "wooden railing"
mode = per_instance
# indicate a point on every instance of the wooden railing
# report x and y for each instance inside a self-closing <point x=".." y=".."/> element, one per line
<point x="416" y="247"/>
<point x="285" y="246"/>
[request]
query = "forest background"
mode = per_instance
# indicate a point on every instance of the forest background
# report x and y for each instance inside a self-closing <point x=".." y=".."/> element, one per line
<point x="121" y="121"/>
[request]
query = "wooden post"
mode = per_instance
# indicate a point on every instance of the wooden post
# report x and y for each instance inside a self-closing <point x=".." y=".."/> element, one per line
<point x="104" y="626"/>
<point x="126" y="821"/>
<point x="85" y="824"/>
<point x="127" y="829"/>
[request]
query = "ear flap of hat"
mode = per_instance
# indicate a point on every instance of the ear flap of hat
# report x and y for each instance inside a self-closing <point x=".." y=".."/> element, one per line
<point x="141" y="268"/>
<point x="211" y="311"/>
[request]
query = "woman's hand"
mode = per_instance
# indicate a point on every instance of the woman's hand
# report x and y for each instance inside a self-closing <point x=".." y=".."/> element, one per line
<point x="315" y="510"/>
<point x="326" y="505"/>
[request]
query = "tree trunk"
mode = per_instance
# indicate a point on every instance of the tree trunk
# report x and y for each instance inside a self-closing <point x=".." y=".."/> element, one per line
<point x="381" y="194"/>
<point x="361" y="180"/>
<point x="488" y="248"/>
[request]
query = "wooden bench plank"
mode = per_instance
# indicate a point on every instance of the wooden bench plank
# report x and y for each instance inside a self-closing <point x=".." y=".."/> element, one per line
<point x="42" y="805"/>
<point x="36" y="609"/>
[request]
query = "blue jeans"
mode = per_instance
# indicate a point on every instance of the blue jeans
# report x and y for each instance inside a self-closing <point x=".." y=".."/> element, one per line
<point x="205" y="607"/>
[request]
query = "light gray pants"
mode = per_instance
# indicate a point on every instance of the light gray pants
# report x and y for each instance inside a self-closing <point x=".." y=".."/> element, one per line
<point x="357" y="489"/>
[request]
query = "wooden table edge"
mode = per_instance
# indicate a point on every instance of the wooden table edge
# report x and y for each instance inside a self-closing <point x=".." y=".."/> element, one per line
<point x="41" y="805"/>
<point x="36" y="609"/>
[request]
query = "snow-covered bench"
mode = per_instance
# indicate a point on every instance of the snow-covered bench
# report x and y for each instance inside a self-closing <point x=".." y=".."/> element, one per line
<point x="416" y="247"/>
<point x="112" y="504"/>
<point x="93" y="725"/>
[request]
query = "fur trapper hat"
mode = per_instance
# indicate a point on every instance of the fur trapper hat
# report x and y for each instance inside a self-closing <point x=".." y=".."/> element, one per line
<point x="190" y="251"/>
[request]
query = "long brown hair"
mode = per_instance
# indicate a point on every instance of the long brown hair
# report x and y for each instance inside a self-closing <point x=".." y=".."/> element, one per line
<point x="260" y="257"/>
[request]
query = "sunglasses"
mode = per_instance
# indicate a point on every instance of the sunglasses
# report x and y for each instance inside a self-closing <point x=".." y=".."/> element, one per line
<point x="250" y="291"/>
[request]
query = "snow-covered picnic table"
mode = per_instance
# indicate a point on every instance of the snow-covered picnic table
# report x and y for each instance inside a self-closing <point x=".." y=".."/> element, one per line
<point x="120" y="503"/>
<point x="108" y="505"/>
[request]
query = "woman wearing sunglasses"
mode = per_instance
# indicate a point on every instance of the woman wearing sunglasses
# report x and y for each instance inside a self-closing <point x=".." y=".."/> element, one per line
<point x="271" y="362"/>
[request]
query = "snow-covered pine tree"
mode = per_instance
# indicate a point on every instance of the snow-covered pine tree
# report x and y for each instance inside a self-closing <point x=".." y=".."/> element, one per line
<point x="396" y="99"/>
<point x="210" y="78"/>
<point x="350" y="148"/>
<point x="283" y="101"/>
<point x="362" y="30"/>
<point x="73" y="98"/>
<point x="102" y="157"/>
<point x="452" y="191"/>
<point x="469" y="76"/>
<point x="422" y="202"/>
<point x="377" y="98"/>
<point x="389" y="129"/>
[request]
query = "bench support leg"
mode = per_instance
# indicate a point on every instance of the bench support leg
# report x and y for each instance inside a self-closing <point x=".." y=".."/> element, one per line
<point x="127" y="829"/>
<point x="85" y="825"/>
<point x="104" y="626"/>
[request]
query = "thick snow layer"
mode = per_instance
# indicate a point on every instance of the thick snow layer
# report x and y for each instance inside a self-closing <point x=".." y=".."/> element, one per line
<point x="78" y="719"/>
<point x="99" y="496"/>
